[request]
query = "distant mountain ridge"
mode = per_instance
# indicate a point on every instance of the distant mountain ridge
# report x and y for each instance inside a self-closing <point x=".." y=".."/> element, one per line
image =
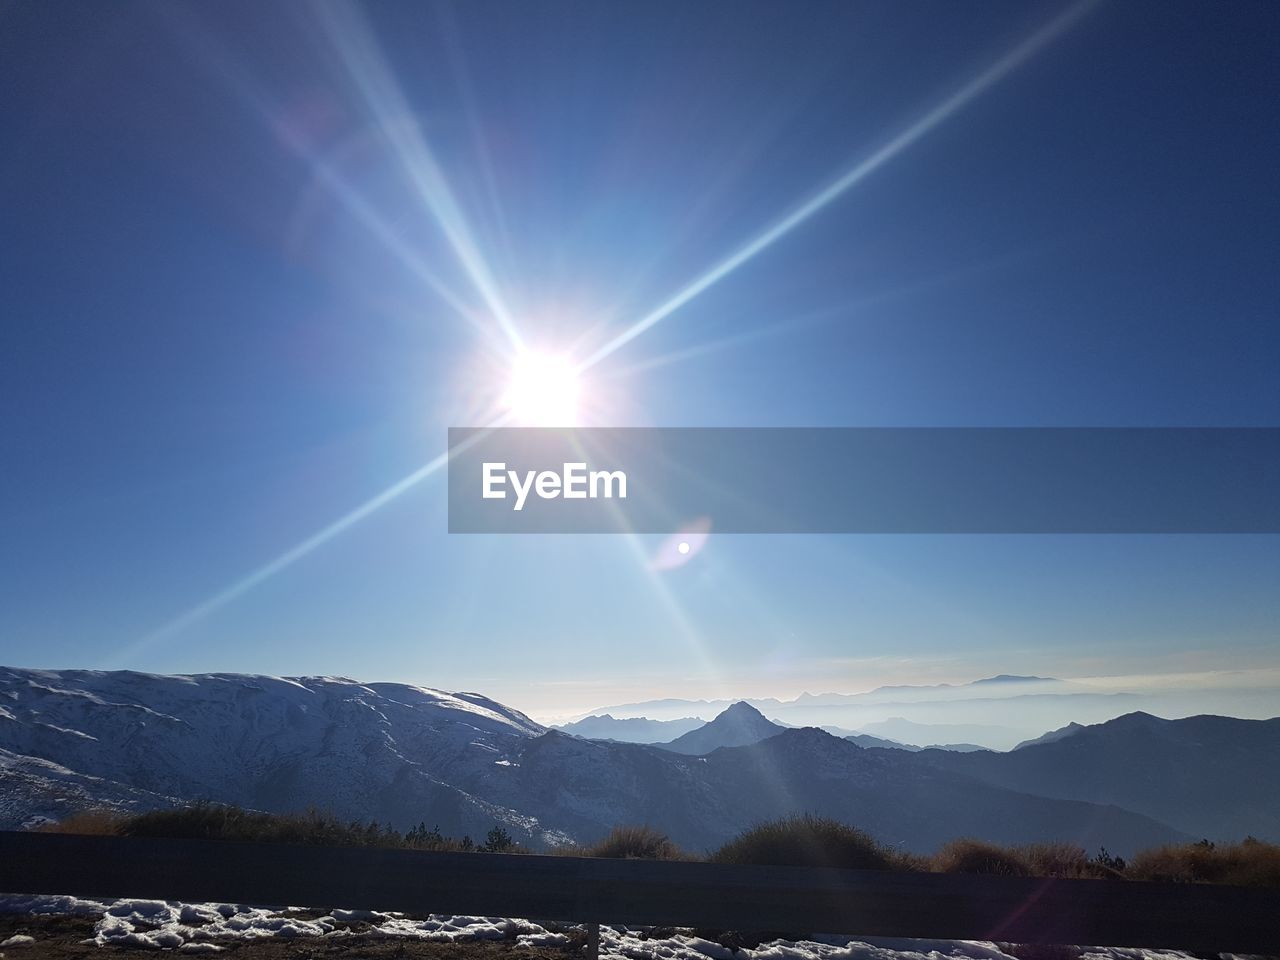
<point x="1053" y="735"/>
<point x="630" y="729"/>
<point x="870" y="742"/>
<point x="715" y="707"/>
<point x="906" y="731"/>
<point x="737" y="725"/>
<point x="1012" y="708"/>
<point x="1217" y="777"/>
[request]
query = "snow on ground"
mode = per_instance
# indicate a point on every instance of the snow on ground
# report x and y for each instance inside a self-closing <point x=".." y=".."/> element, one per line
<point x="196" y="928"/>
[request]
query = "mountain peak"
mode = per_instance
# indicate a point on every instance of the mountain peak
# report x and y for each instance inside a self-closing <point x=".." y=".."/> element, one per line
<point x="737" y="725"/>
<point x="740" y="710"/>
<point x="1138" y="719"/>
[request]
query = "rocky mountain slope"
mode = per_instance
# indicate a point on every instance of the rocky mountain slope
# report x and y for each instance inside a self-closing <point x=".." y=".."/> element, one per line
<point x="382" y="751"/>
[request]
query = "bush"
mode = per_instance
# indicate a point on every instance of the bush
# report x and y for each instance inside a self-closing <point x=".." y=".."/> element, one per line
<point x="207" y="821"/>
<point x="634" y="843"/>
<point x="216" y="822"/>
<point x="1251" y="863"/>
<point x="978" y="856"/>
<point x="808" y="841"/>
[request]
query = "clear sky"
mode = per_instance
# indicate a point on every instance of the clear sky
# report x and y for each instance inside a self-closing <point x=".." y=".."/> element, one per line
<point x="255" y="259"/>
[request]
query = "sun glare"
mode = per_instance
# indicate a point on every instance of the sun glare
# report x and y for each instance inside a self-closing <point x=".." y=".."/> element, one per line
<point x="542" y="391"/>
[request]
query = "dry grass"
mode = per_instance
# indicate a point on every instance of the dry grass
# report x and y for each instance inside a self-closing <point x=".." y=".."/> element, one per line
<point x="207" y="821"/>
<point x="633" y="843"/>
<point x="1054" y="859"/>
<point x="977" y="856"/>
<point x="1064" y="861"/>
<point x="1251" y="863"/>
<point x="805" y="840"/>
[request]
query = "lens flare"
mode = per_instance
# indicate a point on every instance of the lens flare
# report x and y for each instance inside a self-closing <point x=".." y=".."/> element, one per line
<point x="682" y="546"/>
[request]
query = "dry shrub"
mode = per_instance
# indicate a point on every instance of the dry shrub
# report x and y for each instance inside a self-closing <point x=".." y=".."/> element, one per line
<point x="217" y="822"/>
<point x="634" y="843"/>
<point x="978" y="856"/>
<point x="1251" y="863"/>
<point x="808" y="841"/>
<point x="1064" y="861"/>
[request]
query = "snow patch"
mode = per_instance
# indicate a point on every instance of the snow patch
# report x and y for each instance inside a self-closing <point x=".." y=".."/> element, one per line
<point x="205" y="928"/>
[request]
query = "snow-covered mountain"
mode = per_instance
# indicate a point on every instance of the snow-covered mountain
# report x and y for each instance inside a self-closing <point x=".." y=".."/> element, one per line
<point x="739" y="725"/>
<point x="33" y="791"/>
<point x="383" y="751"/>
<point x="403" y="754"/>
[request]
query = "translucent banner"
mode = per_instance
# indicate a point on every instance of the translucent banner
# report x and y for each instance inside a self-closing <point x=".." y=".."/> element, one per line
<point x="865" y="480"/>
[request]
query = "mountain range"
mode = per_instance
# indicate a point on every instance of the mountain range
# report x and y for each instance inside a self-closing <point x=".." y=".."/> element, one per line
<point x="996" y="712"/>
<point x="402" y="754"/>
<point x="1216" y="777"/>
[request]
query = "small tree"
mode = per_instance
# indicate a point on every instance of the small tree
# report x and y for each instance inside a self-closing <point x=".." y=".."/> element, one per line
<point x="420" y="836"/>
<point x="1109" y="860"/>
<point x="497" y="840"/>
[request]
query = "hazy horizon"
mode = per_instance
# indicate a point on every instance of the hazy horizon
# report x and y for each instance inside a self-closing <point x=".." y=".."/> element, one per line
<point x="1253" y="694"/>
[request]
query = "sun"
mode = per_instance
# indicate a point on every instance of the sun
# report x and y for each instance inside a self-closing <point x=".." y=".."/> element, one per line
<point x="542" y="391"/>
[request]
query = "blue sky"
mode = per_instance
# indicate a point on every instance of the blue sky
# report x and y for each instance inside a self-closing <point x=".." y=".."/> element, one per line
<point x="254" y="262"/>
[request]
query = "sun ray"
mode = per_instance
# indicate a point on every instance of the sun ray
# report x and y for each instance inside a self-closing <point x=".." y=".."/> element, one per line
<point x="232" y="73"/>
<point x="299" y="550"/>
<point x="914" y="132"/>
<point x="355" y="44"/>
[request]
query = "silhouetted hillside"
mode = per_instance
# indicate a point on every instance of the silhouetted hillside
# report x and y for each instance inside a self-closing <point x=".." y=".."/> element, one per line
<point x="1215" y="777"/>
